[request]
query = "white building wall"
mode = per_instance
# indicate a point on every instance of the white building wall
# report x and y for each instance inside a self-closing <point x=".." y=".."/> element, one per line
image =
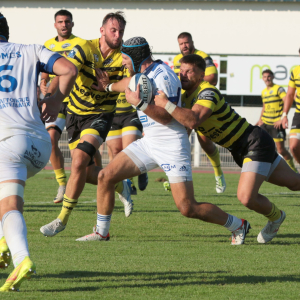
<point x="219" y="28"/>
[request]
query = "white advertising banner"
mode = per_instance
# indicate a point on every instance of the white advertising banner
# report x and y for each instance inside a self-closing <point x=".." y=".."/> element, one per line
<point x="244" y="72"/>
<point x="168" y="59"/>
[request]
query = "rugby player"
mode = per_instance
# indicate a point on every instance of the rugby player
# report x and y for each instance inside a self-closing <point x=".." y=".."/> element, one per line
<point x="165" y="144"/>
<point x="90" y="114"/>
<point x="252" y="148"/>
<point x="186" y="46"/>
<point x="63" y="43"/>
<point x="293" y="92"/>
<point x="125" y="129"/>
<point x="270" y="118"/>
<point x="25" y="145"/>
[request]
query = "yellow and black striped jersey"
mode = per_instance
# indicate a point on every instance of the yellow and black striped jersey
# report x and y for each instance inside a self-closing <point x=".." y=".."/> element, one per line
<point x="210" y="66"/>
<point x="63" y="48"/>
<point x="84" y="100"/>
<point x="122" y="105"/>
<point x="295" y="83"/>
<point x="224" y="126"/>
<point x="272" y="99"/>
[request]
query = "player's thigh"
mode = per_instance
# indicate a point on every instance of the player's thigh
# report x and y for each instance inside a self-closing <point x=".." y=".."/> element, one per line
<point x="283" y="175"/>
<point x="130" y="138"/>
<point x="54" y="135"/>
<point x="22" y="157"/>
<point x="183" y="194"/>
<point x="120" y="168"/>
<point x="206" y="144"/>
<point x="115" y="145"/>
<point x="249" y="185"/>
<point x="294" y="144"/>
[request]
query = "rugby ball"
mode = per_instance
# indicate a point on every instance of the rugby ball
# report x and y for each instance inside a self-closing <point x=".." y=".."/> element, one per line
<point x="146" y="88"/>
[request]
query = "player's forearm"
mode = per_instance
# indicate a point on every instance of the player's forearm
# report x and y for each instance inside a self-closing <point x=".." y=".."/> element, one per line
<point x="186" y="117"/>
<point x="120" y="86"/>
<point x="45" y="76"/>
<point x="52" y="88"/>
<point x="158" y="114"/>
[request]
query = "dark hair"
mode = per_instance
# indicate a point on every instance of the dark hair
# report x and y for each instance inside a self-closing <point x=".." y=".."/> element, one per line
<point x="184" y="34"/>
<point x="4" y="29"/>
<point x="195" y="60"/>
<point x="267" y="71"/>
<point x="63" y="12"/>
<point x="117" y="16"/>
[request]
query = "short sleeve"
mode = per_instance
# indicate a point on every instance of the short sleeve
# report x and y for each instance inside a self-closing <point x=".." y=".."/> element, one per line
<point x="292" y="83"/>
<point x="281" y="92"/>
<point x="46" y="58"/>
<point x="207" y="98"/>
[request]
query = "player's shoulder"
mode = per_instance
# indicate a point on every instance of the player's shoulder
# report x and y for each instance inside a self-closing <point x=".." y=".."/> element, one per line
<point x="201" y="53"/>
<point x="278" y="89"/>
<point x="177" y="58"/>
<point x="50" y="43"/>
<point x="208" y="91"/>
<point x="296" y="71"/>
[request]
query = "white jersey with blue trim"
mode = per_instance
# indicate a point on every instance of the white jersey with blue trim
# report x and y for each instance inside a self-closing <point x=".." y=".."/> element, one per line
<point x="20" y="66"/>
<point x="163" y="79"/>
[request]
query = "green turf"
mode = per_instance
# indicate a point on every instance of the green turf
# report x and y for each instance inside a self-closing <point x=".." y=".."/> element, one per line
<point x="157" y="253"/>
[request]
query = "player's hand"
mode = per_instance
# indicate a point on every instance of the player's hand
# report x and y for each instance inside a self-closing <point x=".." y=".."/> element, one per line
<point x="161" y="99"/>
<point x="133" y="97"/>
<point x="50" y="109"/>
<point x="259" y="123"/>
<point x="43" y="87"/>
<point x="102" y="80"/>
<point x="277" y="124"/>
<point x="284" y="123"/>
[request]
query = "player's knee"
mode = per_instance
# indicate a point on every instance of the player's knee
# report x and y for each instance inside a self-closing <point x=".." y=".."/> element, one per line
<point x="186" y="209"/>
<point x="245" y="198"/>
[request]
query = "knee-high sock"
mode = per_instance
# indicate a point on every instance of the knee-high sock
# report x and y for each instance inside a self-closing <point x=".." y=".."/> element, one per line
<point x="215" y="162"/>
<point x="60" y="176"/>
<point x="68" y="205"/>
<point x="290" y="162"/>
<point x="15" y="232"/>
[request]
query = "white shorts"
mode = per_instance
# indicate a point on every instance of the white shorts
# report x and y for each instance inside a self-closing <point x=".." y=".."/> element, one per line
<point x="174" y="159"/>
<point x="22" y="156"/>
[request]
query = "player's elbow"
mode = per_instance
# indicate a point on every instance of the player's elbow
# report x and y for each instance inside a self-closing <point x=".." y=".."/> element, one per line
<point x="73" y="72"/>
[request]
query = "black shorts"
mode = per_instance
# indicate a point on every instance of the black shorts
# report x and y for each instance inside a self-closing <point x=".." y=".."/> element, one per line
<point x="278" y="135"/>
<point x="78" y="125"/>
<point x="296" y="121"/>
<point x="125" y="123"/>
<point x="255" y="144"/>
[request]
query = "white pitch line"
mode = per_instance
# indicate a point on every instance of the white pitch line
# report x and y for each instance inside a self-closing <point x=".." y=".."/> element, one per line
<point x="83" y="202"/>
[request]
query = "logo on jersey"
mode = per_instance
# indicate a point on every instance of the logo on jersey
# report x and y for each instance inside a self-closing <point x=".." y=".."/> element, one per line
<point x="271" y="92"/>
<point x="166" y="77"/>
<point x="281" y="90"/>
<point x="96" y="57"/>
<point x="51" y="46"/>
<point x="207" y="95"/>
<point x="66" y="45"/>
<point x="99" y="125"/>
<point x="33" y="156"/>
<point x="144" y="119"/>
<point x="107" y="61"/>
<point x="73" y="52"/>
<point x="167" y="167"/>
<point x="184" y="168"/>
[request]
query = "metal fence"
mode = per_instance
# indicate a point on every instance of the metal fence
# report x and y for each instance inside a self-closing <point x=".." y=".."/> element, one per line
<point x="199" y="158"/>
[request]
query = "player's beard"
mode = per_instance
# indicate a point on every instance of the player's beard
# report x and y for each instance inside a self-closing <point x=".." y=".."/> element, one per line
<point x="111" y="45"/>
<point x="190" y="51"/>
<point x="67" y="34"/>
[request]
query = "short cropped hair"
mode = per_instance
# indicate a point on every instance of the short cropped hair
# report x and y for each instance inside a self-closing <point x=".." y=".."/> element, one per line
<point x="267" y="71"/>
<point x="63" y="12"/>
<point x="4" y="29"/>
<point x="184" y="34"/>
<point x="116" y="16"/>
<point x="195" y="60"/>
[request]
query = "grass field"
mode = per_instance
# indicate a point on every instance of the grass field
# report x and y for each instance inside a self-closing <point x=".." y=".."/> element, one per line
<point x="157" y="253"/>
